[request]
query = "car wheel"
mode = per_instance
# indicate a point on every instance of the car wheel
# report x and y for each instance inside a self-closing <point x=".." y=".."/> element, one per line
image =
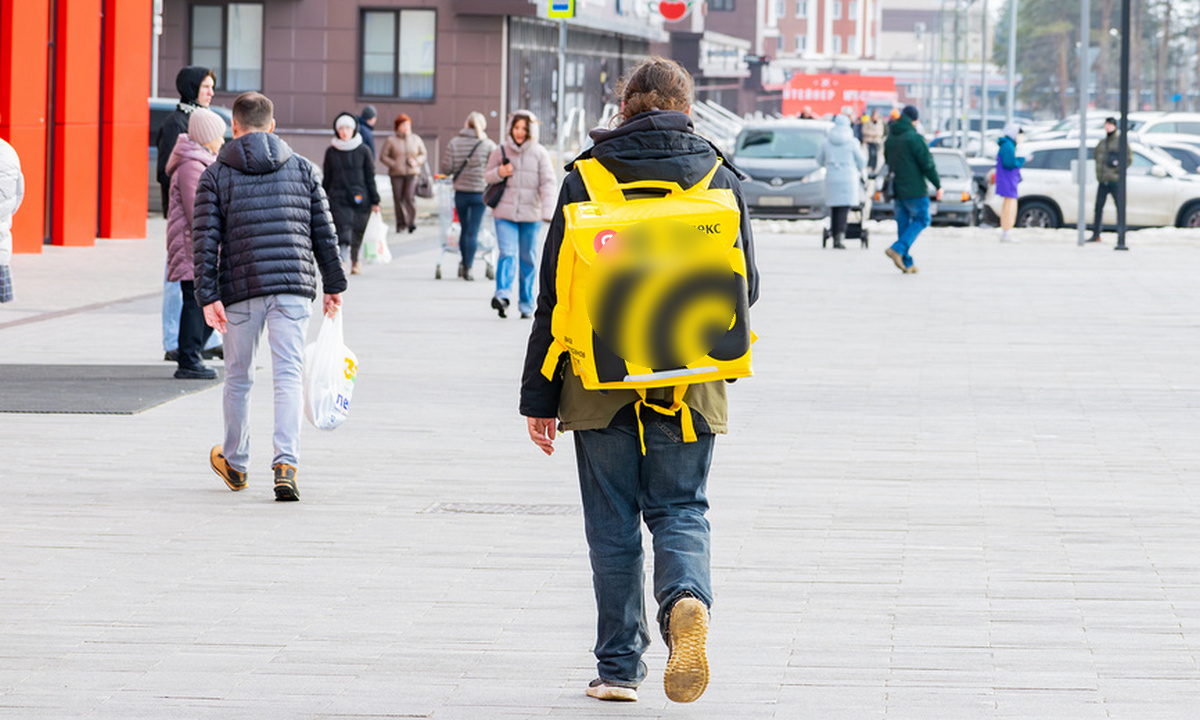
<point x="1190" y="217"/>
<point x="1037" y="213"/>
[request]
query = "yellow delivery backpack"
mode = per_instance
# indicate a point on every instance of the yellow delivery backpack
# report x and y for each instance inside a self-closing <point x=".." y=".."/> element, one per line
<point x="652" y="289"/>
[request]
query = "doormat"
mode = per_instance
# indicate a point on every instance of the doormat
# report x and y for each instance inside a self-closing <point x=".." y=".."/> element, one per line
<point x="92" y="389"/>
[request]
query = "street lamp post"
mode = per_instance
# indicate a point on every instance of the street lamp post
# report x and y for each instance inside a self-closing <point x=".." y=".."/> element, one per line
<point x="1123" y="149"/>
<point x="1085" y="31"/>
<point x="1012" y="57"/>
<point x="983" y="93"/>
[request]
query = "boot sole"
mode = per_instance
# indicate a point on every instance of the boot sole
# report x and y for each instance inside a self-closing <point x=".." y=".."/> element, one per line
<point x="285" y="493"/>
<point x="686" y="676"/>
<point x="895" y="256"/>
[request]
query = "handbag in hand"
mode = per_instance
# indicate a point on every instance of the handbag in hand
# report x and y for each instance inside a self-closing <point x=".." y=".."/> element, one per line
<point x="493" y="193"/>
<point x="424" y="187"/>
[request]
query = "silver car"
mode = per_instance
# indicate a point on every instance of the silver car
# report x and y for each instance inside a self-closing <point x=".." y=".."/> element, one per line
<point x="780" y="157"/>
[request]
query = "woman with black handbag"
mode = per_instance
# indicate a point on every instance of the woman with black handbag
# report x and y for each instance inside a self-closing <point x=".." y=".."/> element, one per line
<point x="522" y="191"/>
<point x="465" y="156"/>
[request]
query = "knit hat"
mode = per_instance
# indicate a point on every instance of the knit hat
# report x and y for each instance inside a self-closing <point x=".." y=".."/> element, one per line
<point x="368" y="112"/>
<point x="1012" y="130"/>
<point x="1111" y="121"/>
<point x="204" y="126"/>
<point x="911" y="112"/>
<point x="345" y="120"/>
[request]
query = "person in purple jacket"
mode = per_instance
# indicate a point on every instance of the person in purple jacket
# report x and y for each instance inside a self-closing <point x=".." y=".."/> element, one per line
<point x="1008" y="176"/>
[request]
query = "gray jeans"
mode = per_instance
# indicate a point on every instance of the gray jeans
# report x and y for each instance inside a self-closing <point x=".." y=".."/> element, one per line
<point x="286" y="320"/>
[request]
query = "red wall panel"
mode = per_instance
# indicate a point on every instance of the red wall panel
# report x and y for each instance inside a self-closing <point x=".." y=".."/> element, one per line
<point x="125" y="120"/>
<point x="24" y="79"/>
<point x="77" y="118"/>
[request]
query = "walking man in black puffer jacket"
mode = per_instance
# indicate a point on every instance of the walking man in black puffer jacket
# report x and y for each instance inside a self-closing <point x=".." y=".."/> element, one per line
<point x="262" y="228"/>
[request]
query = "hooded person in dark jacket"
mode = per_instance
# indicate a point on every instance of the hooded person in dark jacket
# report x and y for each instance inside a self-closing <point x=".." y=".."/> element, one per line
<point x="619" y="484"/>
<point x="911" y="164"/>
<point x="350" y="184"/>
<point x="195" y="85"/>
<point x="262" y="229"/>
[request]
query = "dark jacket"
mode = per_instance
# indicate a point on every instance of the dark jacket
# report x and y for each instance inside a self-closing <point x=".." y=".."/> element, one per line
<point x="1107" y="155"/>
<point x="187" y="82"/>
<point x="657" y="145"/>
<point x="909" y="160"/>
<point x="368" y="135"/>
<point x="350" y="178"/>
<point x="262" y="225"/>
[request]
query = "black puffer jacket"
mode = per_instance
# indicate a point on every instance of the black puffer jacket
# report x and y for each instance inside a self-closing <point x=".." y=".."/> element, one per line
<point x="658" y="145"/>
<point x="187" y="82"/>
<point x="262" y="225"/>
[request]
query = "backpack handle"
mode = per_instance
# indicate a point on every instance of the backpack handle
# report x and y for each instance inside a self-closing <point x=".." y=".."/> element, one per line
<point x="602" y="185"/>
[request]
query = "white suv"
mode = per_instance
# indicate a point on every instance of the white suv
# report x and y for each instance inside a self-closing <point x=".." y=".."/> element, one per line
<point x="1160" y="193"/>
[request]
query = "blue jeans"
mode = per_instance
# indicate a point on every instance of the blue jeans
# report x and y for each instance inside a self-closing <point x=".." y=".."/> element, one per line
<point x="286" y="320"/>
<point x="620" y="487"/>
<point x="171" y="306"/>
<point x="912" y="216"/>
<point x="470" y="209"/>
<point x="514" y="238"/>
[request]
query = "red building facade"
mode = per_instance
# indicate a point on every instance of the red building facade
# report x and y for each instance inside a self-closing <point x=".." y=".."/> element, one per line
<point x="74" y="76"/>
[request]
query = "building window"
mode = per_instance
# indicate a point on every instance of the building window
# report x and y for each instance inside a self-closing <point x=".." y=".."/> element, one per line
<point x="801" y="44"/>
<point x="720" y="4"/>
<point x="853" y="9"/>
<point x="837" y="9"/>
<point x="837" y="44"/>
<point x="780" y="8"/>
<point x="801" y="8"/>
<point x="229" y="39"/>
<point x="398" y="50"/>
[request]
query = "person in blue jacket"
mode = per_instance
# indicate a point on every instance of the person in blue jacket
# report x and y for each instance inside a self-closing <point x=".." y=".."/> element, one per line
<point x="842" y="157"/>
<point x="1008" y="176"/>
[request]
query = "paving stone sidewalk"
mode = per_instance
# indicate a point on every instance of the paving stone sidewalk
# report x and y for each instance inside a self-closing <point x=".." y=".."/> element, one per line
<point x="968" y="493"/>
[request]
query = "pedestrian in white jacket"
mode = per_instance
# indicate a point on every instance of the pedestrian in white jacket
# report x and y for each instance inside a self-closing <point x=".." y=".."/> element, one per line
<point x="12" y="191"/>
<point x="530" y="196"/>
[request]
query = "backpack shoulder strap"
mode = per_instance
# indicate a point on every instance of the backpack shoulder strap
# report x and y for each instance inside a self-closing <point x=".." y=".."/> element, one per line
<point x="602" y="185"/>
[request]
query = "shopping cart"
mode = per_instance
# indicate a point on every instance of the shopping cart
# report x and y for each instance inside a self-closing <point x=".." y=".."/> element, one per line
<point x="450" y="230"/>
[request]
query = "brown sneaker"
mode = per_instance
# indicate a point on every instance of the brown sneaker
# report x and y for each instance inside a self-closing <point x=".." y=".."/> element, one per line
<point x="285" y="483"/>
<point x="686" y="676"/>
<point x="234" y="479"/>
<point x="911" y="270"/>
<point x="895" y="256"/>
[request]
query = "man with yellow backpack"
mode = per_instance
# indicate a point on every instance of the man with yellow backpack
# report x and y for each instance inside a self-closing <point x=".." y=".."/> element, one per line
<point x="642" y="317"/>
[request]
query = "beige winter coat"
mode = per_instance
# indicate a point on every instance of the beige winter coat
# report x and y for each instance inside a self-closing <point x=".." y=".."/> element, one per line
<point x="397" y="150"/>
<point x="532" y="190"/>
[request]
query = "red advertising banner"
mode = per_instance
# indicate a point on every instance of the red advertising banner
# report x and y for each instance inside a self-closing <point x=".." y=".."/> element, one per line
<point x="827" y="94"/>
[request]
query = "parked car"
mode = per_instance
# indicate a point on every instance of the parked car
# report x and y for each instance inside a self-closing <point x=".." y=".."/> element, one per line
<point x="962" y="196"/>
<point x="1160" y="193"/>
<point x="1186" y="154"/>
<point x="1154" y="123"/>
<point x="780" y="157"/>
<point x="160" y="110"/>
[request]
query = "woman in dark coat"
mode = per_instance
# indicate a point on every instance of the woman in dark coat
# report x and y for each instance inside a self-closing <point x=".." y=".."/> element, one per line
<point x="350" y="184"/>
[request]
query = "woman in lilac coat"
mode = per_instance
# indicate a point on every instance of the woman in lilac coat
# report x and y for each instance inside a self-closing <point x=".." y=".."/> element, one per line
<point x="191" y="156"/>
<point x="1008" y="176"/>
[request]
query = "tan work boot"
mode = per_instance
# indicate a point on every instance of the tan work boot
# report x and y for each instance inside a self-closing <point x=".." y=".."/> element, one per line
<point x="285" y="483"/>
<point x="686" y="676"/>
<point x="234" y="479"/>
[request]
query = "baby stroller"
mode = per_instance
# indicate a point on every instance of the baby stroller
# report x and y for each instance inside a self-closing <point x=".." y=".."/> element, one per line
<point x="450" y="230"/>
<point x="854" y="221"/>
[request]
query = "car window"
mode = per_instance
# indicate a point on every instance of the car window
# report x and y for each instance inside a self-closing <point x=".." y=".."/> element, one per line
<point x="950" y="166"/>
<point x="1141" y="165"/>
<point x="1052" y="159"/>
<point x="1187" y="158"/>
<point x="1189" y="128"/>
<point x="791" y="143"/>
<point x="1163" y="127"/>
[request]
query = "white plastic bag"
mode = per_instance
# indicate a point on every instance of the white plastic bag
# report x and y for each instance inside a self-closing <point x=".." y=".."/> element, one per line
<point x="375" y="240"/>
<point x="329" y="371"/>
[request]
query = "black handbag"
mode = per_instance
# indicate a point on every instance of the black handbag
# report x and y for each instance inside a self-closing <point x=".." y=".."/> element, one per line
<point x="493" y="193"/>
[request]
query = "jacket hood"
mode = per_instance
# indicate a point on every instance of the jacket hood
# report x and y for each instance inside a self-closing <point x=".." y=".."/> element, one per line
<point x="188" y="149"/>
<point x="256" y="153"/>
<point x="532" y="122"/>
<point x="659" y="145"/>
<point x="345" y="115"/>
<point x="840" y="133"/>
<point x="187" y="82"/>
<point x="902" y="124"/>
<point x="1006" y="140"/>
